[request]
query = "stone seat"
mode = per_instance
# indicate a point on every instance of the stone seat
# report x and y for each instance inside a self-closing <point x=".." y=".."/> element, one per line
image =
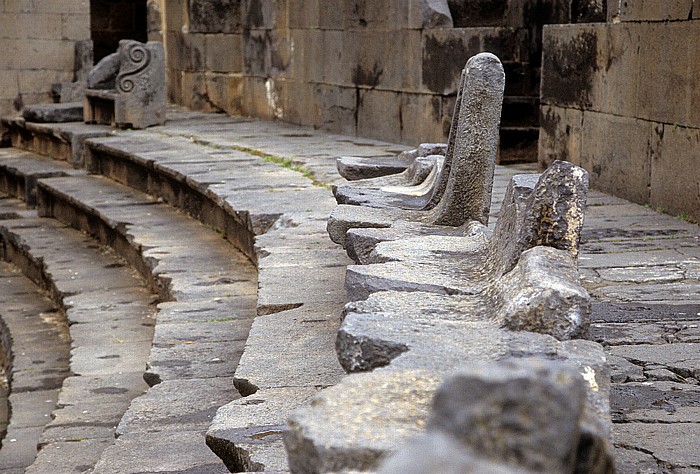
<point x="127" y="88"/>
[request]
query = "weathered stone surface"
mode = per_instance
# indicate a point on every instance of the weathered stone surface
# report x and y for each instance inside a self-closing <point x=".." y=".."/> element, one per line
<point x="64" y="112"/>
<point x="437" y="453"/>
<point x="137" y="98"/>
<point x="467" y="193"/>
<point x="356" y="423"/>
<point x="519" y="412"/>
<point x="102" y="76"/>
<point x="247" y="432"/>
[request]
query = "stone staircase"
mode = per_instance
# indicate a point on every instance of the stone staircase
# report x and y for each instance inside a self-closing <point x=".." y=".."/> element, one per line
<point x="151" y="266"/>
<point x="192" y="241"/>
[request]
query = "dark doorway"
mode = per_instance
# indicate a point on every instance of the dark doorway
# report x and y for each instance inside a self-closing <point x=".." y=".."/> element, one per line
<point x="113" y="20"/>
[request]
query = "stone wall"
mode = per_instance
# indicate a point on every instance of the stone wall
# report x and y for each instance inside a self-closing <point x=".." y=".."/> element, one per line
<point x="380" y="69"/>
<point x="621" y="99"/>
<point x="37" y="48"/>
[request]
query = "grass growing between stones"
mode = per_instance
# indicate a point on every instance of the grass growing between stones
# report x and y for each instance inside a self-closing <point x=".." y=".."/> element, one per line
<point x="287" y="163"/>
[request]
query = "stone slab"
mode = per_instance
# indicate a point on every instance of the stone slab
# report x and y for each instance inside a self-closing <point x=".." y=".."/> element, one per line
<point x="52" y="113"/>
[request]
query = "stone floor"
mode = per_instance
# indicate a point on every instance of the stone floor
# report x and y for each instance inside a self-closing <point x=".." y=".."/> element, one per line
<point x="641" y="267"/>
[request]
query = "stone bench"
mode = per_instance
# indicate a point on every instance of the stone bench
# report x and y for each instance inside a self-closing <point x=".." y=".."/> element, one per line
<point x="459" y="297"/>
<point x="127" y="89"/>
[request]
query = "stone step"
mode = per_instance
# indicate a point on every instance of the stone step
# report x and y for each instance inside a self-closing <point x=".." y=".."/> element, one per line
<point x="20" y="170"/>
<point x="110" y="317"/>
<point x="518" y="144"/>
<point x="200" y="332"/>
<point x="60" y="141"/>
<point x="36" y="344"/>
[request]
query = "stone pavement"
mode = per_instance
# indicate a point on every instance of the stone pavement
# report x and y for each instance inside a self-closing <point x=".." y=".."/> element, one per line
<point x="641" y="267"/>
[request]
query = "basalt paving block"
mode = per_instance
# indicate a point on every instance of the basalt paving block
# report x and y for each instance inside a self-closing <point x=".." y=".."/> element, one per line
<point x="635" y="333"/>
<point x="100" y="358"/>
<point x="278" y="287"/>
<point x="248" y="431"/>
<point x="681" y="358"/>
<point x="652" y="293"/>
<point x="103" y="311"/>
<point x="126" y="330"/>
<point x="71" y="456"/>
<point x="653" y="438"/>
<point x="73" y="423"/>
<point x="182" y="405"/>
<point x="655" y="402"/>
<point x="685" y="245"/>
<point x="162" y="452"/>
<point x="216" y="309"/>
<point x="32" y="408"/>
<point x="192" y="359"/>
<point x="631" y="259"/>
<point x="101" y="389"/>
<point x="19" y="447"/>
<point x="304" y="340"/>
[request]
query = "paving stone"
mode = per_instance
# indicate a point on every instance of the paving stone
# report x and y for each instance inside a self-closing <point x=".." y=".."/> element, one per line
<point x="160" y="452"/>
<point x="292" y="333"/>
<point x="680" y="358"/>
<point x="653" y="438"/>
<point x="247" y="433"/>
<point x="73" y="456"/>
<point x="182" y="405"/>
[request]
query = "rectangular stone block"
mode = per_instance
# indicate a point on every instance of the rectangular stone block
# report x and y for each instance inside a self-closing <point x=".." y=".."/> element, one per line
<point x="259" y="14"/>
<point x="224" y="53"/>
<point x="421" y="119"/>
<point x="34" y="26"/>
<point x="174" y="12"/>
<point x="174" y="85"/>
<point x="619" y="67"/>
<point x="215" y="16"/>
<point x="675" y="174"/>
<point x="336" y="108"/>
<point x="445" y="52"/>
<point x="304" y="14"/>
<point x="560" y="135"/>
<point x="649" y="10"/>
<point x="339" y="51"/>
<point x="305" y="66"/>
<point x="75" y="27"/>
<point x="48" y="6"/>
<point x="666" y="81"/>
<point x="386" y="15"/>
<point x="388" y="60"/>
<point x="570" y="65"/>
<point x="40" y="80"/>
<point x="37" y="54"/>
<point x="379" y="114"/>
<point x="617" y="152"/>
<point x="9" y="83"/>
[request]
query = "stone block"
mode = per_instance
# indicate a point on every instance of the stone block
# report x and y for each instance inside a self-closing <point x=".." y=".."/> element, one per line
<point x="650" y="10"/>
<point x="367" y="15"/>
<point x="331" y="17"/>
<point x="675" y="175"/>
<point x="9" y="83"/>
<point x="339" y="56"/>
<point x="336" y="108"/>
<point x="75" y="27"/>
<point x="379" y="114"/>
<point x="618" y="52"/>
<point x="561" y="132"/>
<point x="259" y="14"/>
<point x="64" y="7"/>
<point x="430" y="14"/>
<point x="664" y="55"/>
<point x="517" y="412"/>
<point x="445" y="51"/>
<point x="31" y="26"/>
<point x="304" y="14"/>
<point x="215" y="16"/>
<point x="174" y="13"/>
<point x="421" y="118"/>
<point x="223" y="53"/>
<point x="569" y="65"/>
<point x="385" y="59"/>
<point x="37" y="54"/>
<point x="618" y="154"/>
